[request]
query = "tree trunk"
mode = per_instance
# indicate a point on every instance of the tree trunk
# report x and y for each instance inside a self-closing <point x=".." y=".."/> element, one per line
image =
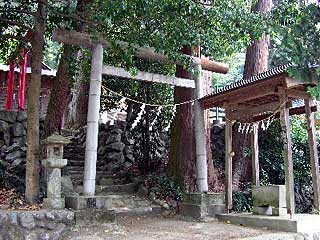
<point x="33" y="151"/>
<point x="182" y="158"/>
<point x="256" y="62"/>
<point x="76" y="115"/>
<point x="59" y="94"/>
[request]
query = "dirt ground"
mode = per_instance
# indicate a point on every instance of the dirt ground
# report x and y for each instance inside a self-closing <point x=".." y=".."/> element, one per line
<point x="174" y="228"/>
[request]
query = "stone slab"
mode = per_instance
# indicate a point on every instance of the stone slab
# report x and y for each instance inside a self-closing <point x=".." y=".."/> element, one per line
<point x="204" y="198"/>
<point x="199" y="211"/>
<point x="89" y="202"/>
<point x="54" y="203"/>
<point x="94" y="215"/>
<point x="298" y="223"/>
<point x="269" y="211"/>
<point x="274" y="195"/>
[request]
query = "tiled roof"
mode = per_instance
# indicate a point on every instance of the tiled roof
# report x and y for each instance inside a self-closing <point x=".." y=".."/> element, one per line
<point x="244" y="82"/>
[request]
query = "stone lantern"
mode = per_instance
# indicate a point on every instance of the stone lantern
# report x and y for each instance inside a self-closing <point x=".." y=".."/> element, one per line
<point x="53" y="163"/>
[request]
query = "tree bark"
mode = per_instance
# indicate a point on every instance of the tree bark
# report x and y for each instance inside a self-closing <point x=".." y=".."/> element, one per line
<point x="76" y="115"/>
<point x="256" y="62"/>
<point x="33" y="151"/>
<point x="182" y="158"/>
<point x="59" y="94"/>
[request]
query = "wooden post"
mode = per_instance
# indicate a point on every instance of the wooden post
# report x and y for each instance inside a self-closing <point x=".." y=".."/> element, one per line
<point x="287" y="153"/>
<point x="228" y="161"/>
<point x="89" y="179"/>
<point x="313" y="152"/>
<point x="255" y="156"/>
<point x="200" y="134"/>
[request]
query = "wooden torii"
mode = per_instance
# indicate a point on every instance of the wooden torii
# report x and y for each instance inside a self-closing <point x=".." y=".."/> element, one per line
<point x="98" y="69"/>
<point x="256" y="99"/>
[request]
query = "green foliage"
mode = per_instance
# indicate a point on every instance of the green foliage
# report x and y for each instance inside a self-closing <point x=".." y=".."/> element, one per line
<point x="296" y="38"/>
<point x="164" y="187"/>
<point x="242" y="201"/>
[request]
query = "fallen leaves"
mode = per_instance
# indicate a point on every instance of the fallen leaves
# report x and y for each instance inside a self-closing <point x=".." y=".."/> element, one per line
<point x="11" y="200"/>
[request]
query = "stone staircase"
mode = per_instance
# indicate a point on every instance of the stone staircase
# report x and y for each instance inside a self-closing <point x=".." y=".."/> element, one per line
<point x="117" y="199"/>
<point x="116" y="195"/>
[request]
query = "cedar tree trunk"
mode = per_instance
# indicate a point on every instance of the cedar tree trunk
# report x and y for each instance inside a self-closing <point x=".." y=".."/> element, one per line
<point x="59" y="94"/>
<point x="256" y="62"/>
<point x="33" y="94"/>
<point x="182" y="158"/>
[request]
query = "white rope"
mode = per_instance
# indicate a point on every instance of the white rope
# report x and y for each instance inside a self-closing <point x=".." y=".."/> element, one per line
<point x="148" y="104"/>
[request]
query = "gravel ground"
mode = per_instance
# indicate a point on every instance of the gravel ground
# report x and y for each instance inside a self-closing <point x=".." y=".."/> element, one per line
<point x="170" y="228"/>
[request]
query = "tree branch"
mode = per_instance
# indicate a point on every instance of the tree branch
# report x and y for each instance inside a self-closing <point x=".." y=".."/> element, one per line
<point x="15" y="23"/>
<point x="17" y="11"/>
<point x="76" y="17"/>
<point x="10" y="36"/>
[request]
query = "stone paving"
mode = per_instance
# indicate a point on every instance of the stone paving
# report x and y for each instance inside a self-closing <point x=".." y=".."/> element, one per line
<point x="167" y="228"/>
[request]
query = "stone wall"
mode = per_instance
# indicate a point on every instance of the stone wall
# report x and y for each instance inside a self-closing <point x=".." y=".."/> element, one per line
<point x="13" y="148"/>
<point x="35" y="225"/>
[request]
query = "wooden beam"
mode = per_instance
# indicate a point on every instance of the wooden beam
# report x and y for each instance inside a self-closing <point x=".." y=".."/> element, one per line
<point x="251" y="111"/>
<point x="255" y="156"/>
<point x="287" y="155"/>
<point x="86" y="40"/>
<point x="228" y="161"/>
<point x="148" y="77"/>
<point x="313" y="153"/>
<point x="292" y="111"/>
<point x="294" y="93"/>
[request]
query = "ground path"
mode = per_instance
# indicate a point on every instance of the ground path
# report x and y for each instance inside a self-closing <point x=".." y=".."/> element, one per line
<point x="176" y="228"/>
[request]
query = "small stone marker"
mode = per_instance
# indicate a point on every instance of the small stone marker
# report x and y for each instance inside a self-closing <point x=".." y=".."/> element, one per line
<point x="53" y="163"/>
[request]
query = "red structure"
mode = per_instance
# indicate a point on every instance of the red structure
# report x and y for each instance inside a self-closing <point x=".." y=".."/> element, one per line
<point x="22" y="84"/>
<point x="9" y="86"/>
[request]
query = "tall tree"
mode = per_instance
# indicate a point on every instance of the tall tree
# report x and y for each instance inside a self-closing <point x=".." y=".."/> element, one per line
<point x="33" y="151"/>
<point x="256" y="62"/>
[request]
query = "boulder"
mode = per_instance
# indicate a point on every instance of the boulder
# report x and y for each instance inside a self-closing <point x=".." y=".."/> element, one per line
<point x="13" y="156"/>
<point x="8" y="116"/>
<point x="115" y="156"/>
<point x="27" y="221"/>
<point x="113" y="138"/>
<point x="116" y="146"/>
<point x="14" y="147"/>
<point x="18" y="130"/>
<point x="4" y="126"/>
<point x="18" y="162"/>
<point x="67" y="185"/>
<point x="22" y="116"/>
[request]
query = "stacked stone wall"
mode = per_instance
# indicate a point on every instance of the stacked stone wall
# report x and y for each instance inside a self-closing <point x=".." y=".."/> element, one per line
<point x="35" y="225"/>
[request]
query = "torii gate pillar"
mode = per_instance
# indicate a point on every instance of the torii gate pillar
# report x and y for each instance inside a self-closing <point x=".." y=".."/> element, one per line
<point x="89" y="179"/>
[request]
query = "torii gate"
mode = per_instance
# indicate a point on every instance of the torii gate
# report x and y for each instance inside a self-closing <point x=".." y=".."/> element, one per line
<point x="97" y="69"/>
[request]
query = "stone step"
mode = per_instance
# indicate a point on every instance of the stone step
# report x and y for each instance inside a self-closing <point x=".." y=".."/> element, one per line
<point x="78" y="163"/>
<point x="142" y="211"/>
<point x="91" y="216"/>
<point x="123" y="188"/>
<point x="80" y="169"/>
